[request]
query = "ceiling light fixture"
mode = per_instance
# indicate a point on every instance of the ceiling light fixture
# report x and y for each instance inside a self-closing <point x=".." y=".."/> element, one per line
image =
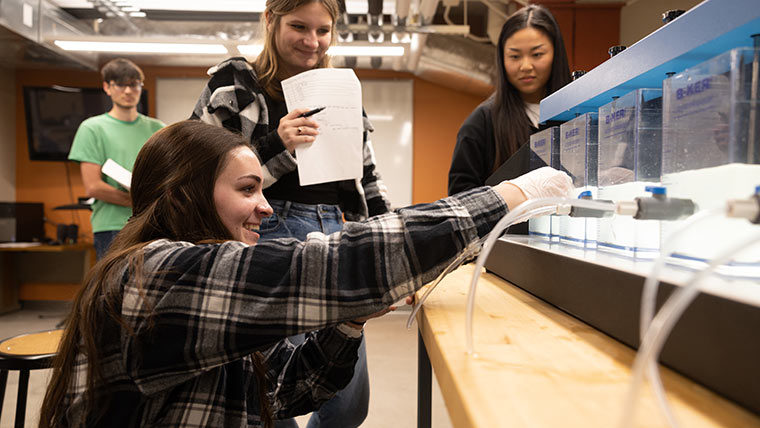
<point x="366" y="51"/>
<point x="185" y="48"/>
<point x="253" y="50"/>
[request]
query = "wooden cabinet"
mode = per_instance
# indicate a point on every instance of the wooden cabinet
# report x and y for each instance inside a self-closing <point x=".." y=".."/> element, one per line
<point x="43" y="272"/>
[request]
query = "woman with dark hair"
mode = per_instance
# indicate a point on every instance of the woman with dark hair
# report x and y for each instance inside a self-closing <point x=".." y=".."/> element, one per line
<point x="182" y="323"/>
<point x="531" y="64"/>
<point x="247" y="97"/>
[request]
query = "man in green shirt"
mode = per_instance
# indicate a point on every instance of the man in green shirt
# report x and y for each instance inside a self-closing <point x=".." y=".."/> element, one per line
<point x="119" y="135"/>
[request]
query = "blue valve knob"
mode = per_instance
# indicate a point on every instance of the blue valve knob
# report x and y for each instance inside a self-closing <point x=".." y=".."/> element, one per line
<point x="586" y="194"/>
<point x="757" y="190"/>
<point x="657" y="190"/>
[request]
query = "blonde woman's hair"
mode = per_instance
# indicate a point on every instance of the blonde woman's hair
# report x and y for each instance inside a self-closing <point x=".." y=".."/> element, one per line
<point x="267" y="64"/>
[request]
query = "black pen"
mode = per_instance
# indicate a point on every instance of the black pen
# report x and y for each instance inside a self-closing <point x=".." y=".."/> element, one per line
<point x="312" y="112"/>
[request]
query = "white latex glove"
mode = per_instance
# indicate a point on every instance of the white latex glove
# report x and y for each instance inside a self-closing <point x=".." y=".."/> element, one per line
<point x="545" y="182"/>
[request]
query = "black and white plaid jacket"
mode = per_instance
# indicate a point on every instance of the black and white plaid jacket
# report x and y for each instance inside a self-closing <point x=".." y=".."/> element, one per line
<point x="202" y="310"/>
<point x="233" y="99"/>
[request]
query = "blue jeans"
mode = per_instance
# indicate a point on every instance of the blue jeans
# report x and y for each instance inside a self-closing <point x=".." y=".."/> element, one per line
<point x="101" y="241"/>
<point x="350" y="405"/>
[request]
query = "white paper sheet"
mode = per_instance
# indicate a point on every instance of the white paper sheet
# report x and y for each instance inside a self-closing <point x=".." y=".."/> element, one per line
<point x="117" y="172"/>
<point x="336" y="154"/>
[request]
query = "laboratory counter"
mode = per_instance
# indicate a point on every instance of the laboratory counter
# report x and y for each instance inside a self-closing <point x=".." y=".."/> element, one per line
<point x="536" y="366"/>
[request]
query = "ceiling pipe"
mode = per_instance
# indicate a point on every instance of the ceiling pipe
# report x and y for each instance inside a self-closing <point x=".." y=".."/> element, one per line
<point x="399" y="21"/>
<point x="402" y="13"/>
<point x="375" y="21"/>
<point x="108" y="8"/>
<point x="427" y="11"/>
<point x="344" y="34"/>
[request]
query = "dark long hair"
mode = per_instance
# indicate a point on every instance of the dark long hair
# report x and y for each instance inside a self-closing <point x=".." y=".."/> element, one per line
<point x="511" y="125"/>
<point x="267" y="64"/>
<point x="172" y="197"/>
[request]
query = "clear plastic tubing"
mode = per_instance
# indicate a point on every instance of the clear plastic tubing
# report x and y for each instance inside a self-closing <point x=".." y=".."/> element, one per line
<point x="649" y="299"/>
<point x="496" y="232"/>
<point x="468" y="252"/>
<point x="666" y="319"/>
<point x="649" y="293"/>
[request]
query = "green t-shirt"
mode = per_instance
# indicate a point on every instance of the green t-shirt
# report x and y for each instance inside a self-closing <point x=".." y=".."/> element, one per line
<point x="103" y="137"/>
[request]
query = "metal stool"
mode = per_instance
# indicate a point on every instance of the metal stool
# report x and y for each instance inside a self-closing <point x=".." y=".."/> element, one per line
<point x="25" y="352"/>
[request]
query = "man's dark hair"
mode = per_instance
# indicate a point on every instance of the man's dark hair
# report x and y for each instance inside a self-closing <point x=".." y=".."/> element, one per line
<point x="121" y="70"/>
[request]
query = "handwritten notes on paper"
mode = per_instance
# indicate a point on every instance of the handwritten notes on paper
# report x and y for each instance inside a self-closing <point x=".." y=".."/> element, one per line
<point x="336" y="154"/>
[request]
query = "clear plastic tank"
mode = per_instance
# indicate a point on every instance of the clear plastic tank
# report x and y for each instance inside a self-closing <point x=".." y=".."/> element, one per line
<point x="630" y="153"/>
<point x="578" y="156"/>
<point x="711" y="150"/>
<point x="544" y="151"/>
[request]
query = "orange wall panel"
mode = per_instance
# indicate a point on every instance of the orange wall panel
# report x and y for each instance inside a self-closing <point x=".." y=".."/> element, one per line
<point x="588" y="29"/>
<point x="597" y="29"/>
<point x="438" y="114"/>
<point x="565" y="18"/>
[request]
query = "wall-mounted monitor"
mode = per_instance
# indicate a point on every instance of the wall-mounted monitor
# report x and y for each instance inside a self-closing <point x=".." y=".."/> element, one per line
<point x="53" y="114"/>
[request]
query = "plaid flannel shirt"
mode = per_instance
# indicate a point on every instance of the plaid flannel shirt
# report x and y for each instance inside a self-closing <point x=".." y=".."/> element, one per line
<point x="212" y="305"/>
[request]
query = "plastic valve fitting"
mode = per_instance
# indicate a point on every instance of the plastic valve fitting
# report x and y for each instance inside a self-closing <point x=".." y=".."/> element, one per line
<point x="660" y="207"/>
<point x="746" y="208"/>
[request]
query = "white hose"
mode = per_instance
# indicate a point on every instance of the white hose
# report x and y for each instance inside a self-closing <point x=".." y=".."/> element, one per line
<point x="663" y="324"/>
<point x="495" y="233"/>
<point x="649" y="299"/>
<point x="470" y="251"/>
<point x="670" y="243"/>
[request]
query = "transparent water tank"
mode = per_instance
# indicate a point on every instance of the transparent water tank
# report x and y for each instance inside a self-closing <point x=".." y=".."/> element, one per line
<point x="630" y="154"/>
<point x="578" y="156"/>
<point x="544" y="151"/>
<point x="711" y="150"/>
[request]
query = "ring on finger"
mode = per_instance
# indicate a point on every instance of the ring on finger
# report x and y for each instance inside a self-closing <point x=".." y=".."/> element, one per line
<point x="299" y="130"/>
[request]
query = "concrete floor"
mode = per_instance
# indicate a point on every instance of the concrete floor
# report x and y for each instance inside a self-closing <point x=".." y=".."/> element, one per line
<point x="391" y="350"/>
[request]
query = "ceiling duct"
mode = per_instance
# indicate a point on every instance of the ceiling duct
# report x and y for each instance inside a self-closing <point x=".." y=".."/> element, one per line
<point x="26" y="32"/>
<point x="437" y="53"/>
<point x="457" y="63"/>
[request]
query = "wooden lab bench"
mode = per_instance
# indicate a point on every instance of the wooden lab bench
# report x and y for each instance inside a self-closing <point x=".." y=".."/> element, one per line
<point x="536" y="366"/>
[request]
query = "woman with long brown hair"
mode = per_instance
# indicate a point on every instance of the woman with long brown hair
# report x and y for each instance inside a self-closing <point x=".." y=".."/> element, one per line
<point x="182" y="323"/>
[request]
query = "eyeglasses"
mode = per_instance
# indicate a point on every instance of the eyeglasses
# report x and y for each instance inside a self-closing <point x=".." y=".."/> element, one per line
<point x="136" y="85"/>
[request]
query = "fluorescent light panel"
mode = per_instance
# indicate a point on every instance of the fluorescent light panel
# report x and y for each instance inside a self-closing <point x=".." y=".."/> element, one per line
<point x="366" y="51"/>
<point x="352" y="6"/>
<point x="251" y="50"/>
<point x="206" y="48"/>
<point x="186" y="48"/>
<point x="254" y="50"/>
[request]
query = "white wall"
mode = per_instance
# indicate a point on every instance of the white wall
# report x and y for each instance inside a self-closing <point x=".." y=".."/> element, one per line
<point x="388" y="104"/>
<point x="642" y="17"/>
<point x="176" y="98"/>
<point x="7" y="135"/>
